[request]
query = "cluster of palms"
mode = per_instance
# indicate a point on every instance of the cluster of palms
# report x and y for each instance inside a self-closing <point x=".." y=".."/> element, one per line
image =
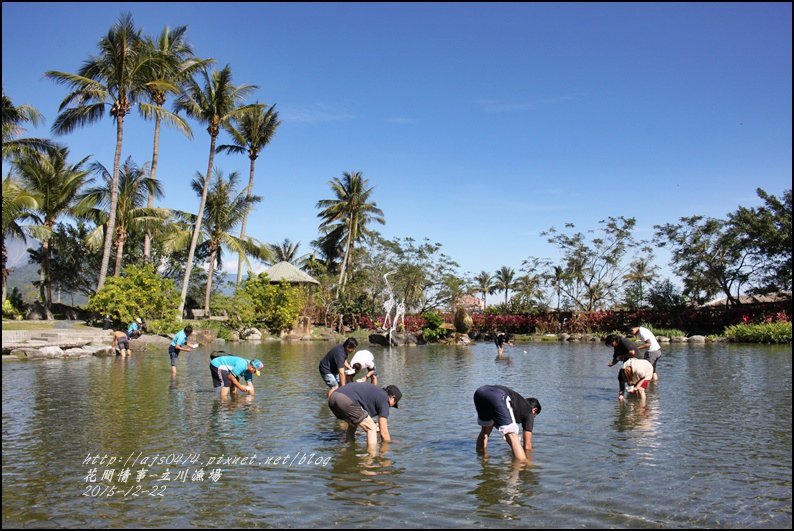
<point x="134" y="71"/>
<point x="506" y="280"/>
<point x="130" y="71"/>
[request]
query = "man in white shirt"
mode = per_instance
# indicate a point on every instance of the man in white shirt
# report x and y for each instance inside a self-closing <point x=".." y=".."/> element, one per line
<point x="639" y="374"/>
<point x="649" y="341"/>
<point x="363" y="359"/>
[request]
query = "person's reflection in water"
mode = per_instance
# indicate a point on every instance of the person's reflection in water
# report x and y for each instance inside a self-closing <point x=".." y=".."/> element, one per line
<point x="497" y="488"/>
<point x="350" y="466"/>
<point x="639" y="420"/>
<point x="506" y="361"/>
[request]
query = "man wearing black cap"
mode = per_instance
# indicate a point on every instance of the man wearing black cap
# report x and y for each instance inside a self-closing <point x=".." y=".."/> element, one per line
<point x="358" y="402"/>
<point x="502" y="408"/>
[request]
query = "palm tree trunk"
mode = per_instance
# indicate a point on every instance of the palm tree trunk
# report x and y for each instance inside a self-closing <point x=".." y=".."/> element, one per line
<point x="208" y="291"/>
<point x="119" y="254"/>
<point x="5" y="271"/>
<point x="248" y="193"/>
<point x="196" y="230"/>
<point x="44" y="287"/>
<point x="348" y="247"/>
<point x="114" y="200"/>
<point x="147" y="239"/>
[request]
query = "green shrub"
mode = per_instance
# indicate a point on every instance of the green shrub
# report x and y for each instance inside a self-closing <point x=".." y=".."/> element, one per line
<point x="140" y="292"/>
<point x="759" y="333"/>
<point x="9" y="311"/>
<point x="433" y="331"/>
<point x="276" y="306"/>
<point x="667" y="332"/>
<point x="164" y="326"/>
<point x="239" y="309"/>
<point x="223" y="330"/>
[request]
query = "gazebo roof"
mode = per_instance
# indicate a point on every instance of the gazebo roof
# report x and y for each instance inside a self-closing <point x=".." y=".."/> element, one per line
<point x="286" y="271"/>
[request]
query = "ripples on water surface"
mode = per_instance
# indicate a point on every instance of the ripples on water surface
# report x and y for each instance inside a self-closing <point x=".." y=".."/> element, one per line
<point x="711" y="448"/>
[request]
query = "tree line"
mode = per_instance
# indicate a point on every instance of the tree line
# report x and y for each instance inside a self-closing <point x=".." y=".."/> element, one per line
<point x="84" y="214"/>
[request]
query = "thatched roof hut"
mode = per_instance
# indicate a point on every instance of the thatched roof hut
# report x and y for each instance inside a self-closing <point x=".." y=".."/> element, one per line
<point x="286" y="271"/>
<point x="779" y="296"/>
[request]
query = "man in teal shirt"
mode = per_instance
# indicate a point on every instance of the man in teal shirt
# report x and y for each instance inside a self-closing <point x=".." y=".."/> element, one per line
<point x="134" y="330"/>
<point x="228" y="370"/>
<point x="178" y="344"/>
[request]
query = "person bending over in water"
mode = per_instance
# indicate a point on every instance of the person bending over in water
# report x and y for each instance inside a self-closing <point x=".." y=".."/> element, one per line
<point x="227" y="371"/>
<point x="501" y="339"/>
<point x="649" y="341"/>
<point x="363" y="359"/>
<point x="638" y="373"/>
<point x="502" y="408"/>
<point x="358" y="402"/>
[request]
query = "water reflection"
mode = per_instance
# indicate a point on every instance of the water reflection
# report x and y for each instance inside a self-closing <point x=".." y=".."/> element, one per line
<point x="362" y="478"/>
<point x="702" y="453"/>
<point x="500" y="484"/>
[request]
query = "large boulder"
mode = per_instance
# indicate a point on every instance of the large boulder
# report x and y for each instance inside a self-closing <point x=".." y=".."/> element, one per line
<point x="403" y="338"/>
<point x="379" y="339"/>
<point x="149" y="342"/>
<point x="463" y="321"/>
<point x="204" y="336"/>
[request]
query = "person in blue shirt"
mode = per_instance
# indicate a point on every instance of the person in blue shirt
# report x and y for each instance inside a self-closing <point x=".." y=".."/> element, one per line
<point x="227" y="371"/>
<point x="134" y="330"/>
<point x="179" y="344"/>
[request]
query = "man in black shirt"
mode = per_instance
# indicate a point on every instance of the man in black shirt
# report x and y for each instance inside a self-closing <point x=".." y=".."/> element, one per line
<point x="501" y="339"/>
<point x="358" y="402"/>
<point x="501" y="407"/>
<point x="333" y="364"/>
<point x="623" y="349"/>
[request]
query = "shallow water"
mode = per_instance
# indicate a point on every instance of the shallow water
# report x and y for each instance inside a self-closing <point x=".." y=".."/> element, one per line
<point x="710" y="448"/>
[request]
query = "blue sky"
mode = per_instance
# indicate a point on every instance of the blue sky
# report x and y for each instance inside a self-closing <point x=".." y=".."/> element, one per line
<point x="480" y="125"/>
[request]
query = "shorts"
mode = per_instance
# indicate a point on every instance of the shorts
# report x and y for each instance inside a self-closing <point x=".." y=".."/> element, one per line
<point x="220" y="377"/>
<point x="174" y="353"/>
<point x="494" y="409"/>
<point x="642" y="385"/>
<point x="331" y="380"/>
<point x="653" y="357"/>
<point x="123" y="344"/>
<point x="345" y="409"/>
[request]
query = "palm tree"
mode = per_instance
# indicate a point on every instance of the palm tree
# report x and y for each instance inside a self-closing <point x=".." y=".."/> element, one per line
<point x="55" y="184"/>
<point x="329" y="250"/>
<point x="352" y="210"/>
<point x="113" y="79"/>
<point x="175" y="64"/>
<point x="18" y="206"/>
<point x="223" y="213"/>
<point x="135" y="186"/>
<point x="484" y="284"/>
<point x="504" y="280"/>
<point x="254" y="130"/>
<point x="285" y="251"/>
<point x="557" y="278"/>
<point x="215" y="104"/>
<point x="640" y="272"/>
<point x="529" y="286"/>
<point x="13" y="119"/>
